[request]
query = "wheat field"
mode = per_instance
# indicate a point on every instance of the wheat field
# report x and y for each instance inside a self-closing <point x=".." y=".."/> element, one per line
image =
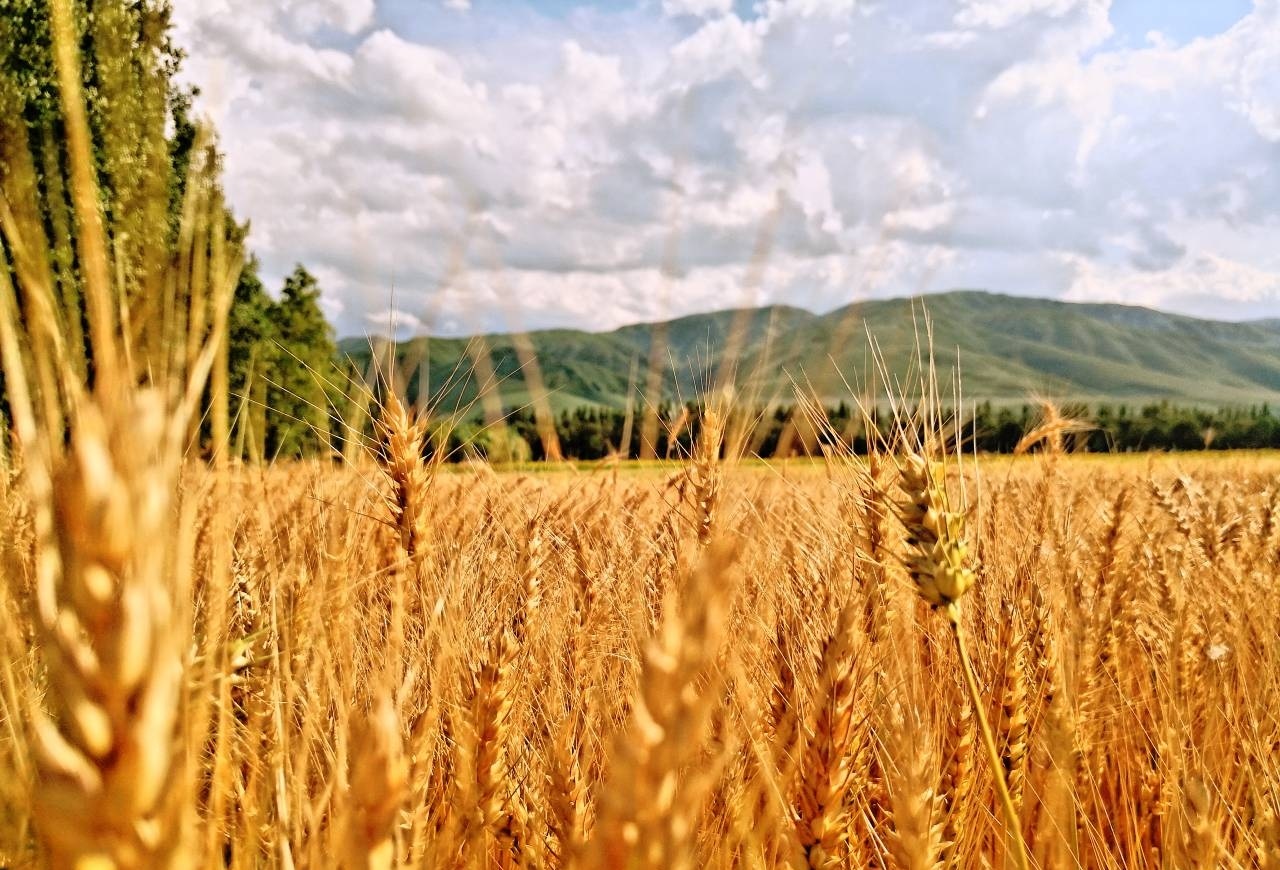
<point x="396" y="666"/>
<point x="912" y="659"/>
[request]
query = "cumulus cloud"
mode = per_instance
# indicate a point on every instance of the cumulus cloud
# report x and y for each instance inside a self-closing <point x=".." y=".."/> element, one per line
<point x="348" y="16"/>
<point x="591" y="167"/>
<point x="699" y="8"/>
<point x="393" y="321"/>
<point x="1206" y="284"/>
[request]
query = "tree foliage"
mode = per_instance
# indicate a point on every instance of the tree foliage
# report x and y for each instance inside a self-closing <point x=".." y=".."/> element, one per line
<point x="589" y="433"/>
<point x="298" y="364"/>
<point x="157" y="176"/>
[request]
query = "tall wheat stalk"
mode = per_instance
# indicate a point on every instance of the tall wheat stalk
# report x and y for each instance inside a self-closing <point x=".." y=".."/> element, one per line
<point x="113" y="543"/>
<point x="937" y="561"/>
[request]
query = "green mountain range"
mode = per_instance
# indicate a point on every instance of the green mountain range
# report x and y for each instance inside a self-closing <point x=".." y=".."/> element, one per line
<point x="1006" y="347"/>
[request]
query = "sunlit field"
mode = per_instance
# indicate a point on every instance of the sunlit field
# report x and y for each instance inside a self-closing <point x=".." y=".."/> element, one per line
<point x="689" y="666"/>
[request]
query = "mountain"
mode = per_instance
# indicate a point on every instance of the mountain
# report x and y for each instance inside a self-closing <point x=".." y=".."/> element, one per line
<point x="1007" y="346"/>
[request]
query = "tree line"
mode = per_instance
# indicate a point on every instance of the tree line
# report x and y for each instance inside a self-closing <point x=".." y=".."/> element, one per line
<point x="590" y="433"/>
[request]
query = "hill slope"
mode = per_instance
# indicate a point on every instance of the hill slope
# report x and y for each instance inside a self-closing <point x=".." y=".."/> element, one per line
<point x="1007" y="347"/>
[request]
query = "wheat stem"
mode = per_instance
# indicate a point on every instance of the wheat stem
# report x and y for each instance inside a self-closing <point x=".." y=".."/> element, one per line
<point x="988" y="738"/>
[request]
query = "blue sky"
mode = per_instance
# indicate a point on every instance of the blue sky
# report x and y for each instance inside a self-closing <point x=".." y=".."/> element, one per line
<point x="496" y="165"/>
<point x="1180" y="20"/>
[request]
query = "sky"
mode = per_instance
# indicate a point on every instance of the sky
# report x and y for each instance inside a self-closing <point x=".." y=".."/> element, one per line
<point x="454" y="166"/>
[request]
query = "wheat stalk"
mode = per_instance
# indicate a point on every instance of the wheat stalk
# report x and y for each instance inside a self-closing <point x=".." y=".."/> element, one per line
<point x="648" y="806"/>
<point x="377" y="775"/>
<point x="109" y="776"/>
<point x="403" y="442"/>
<point x="937" y="563"/>
<point x="704" y="473"/>
<point x="835" y="755"/>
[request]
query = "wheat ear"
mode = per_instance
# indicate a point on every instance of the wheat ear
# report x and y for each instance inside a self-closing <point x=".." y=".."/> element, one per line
<point x="704" y="473"/>
<point x="491" y="695"/>
<point x="106" y="751"/>
<point x="937" y="562"/>
<point x="378" y="773"/>
<point x="403" y="440"/>
<point x="835" y="752"/>
<point x="648" y="808"/>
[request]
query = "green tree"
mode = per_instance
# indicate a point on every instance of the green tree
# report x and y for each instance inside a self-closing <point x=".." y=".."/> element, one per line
<point x="301" y="364"/>
<point x="142" y="146"/>
<point x="251" y="353"/>
<point x="156" y="174"/>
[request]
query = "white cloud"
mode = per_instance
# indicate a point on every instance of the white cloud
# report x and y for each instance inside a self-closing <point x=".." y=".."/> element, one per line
<point x="1201" y="284"/>
<point x="717" y="49"/>
<point x="392" y="321"/>
<point x="514" y="166"/>
<point x="699" y="8"/>
<point x="413" y="83"/>
<point x="349" y="16"/>
<point x="997" y="14"/>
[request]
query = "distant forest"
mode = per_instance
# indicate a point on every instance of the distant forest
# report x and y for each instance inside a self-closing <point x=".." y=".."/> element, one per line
<point x="595" y="433"/>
